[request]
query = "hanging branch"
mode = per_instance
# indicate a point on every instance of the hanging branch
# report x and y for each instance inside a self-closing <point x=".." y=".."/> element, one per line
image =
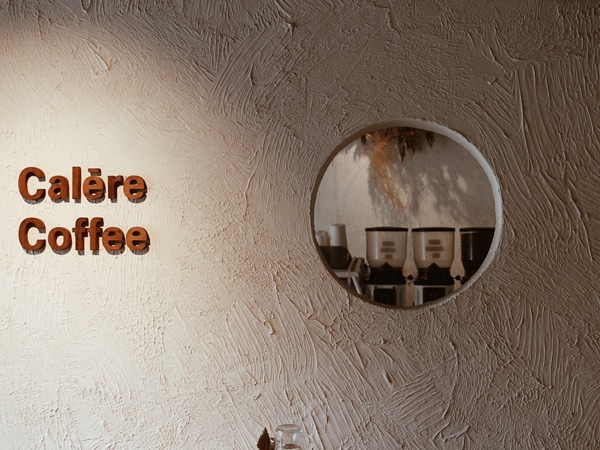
<point x="382" y="156"/>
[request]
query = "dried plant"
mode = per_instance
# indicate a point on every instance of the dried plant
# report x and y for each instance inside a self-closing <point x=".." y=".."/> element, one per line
<point x="384" y="147"/>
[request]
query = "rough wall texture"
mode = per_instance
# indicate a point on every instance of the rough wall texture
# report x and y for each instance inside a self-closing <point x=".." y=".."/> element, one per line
<point x="227" y="325"/>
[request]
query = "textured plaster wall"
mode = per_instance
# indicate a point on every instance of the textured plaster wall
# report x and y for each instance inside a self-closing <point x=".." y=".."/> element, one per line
<point x="227" y="325"/>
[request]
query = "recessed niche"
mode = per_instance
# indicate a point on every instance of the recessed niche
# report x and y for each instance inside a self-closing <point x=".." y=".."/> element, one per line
<point x="405" y="216"/>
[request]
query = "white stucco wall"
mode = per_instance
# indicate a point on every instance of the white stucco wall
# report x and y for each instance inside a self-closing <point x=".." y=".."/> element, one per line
<point x="227" y="325"/>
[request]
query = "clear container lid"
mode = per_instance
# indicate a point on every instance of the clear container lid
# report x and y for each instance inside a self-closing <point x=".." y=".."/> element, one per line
<point x="386" y="245"/>
<point x="434" y="245"/>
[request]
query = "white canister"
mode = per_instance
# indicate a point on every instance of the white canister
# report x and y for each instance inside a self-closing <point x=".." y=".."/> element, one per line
<point x="337" y="235"/>
<point x="386" y="245"/>
<point x="433" y="246"/>
<point x="322" y="238"/>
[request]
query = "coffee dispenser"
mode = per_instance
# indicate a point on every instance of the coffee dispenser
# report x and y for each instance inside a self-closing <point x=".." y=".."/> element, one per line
<point x="433" y="250"/>
<point x="475" y="244"/>
<point x="386" y="255"/>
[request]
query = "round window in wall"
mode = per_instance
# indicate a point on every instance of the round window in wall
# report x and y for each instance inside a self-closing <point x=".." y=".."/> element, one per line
<point x="405" y="216"/>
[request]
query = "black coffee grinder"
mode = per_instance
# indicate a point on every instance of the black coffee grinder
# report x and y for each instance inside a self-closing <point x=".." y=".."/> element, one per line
<point x="475" y="244"/>
<point x="433" y="250"/>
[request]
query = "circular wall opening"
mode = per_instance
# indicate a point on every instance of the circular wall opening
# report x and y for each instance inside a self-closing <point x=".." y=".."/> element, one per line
<point x="405" y="216"/>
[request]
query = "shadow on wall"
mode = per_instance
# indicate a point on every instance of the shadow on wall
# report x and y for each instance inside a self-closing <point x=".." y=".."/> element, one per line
<point x="441" y="184"/>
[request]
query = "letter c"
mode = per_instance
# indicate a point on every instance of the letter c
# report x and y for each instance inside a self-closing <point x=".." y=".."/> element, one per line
<point x="26" y="225"/>
<point x="24" y="177"/>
